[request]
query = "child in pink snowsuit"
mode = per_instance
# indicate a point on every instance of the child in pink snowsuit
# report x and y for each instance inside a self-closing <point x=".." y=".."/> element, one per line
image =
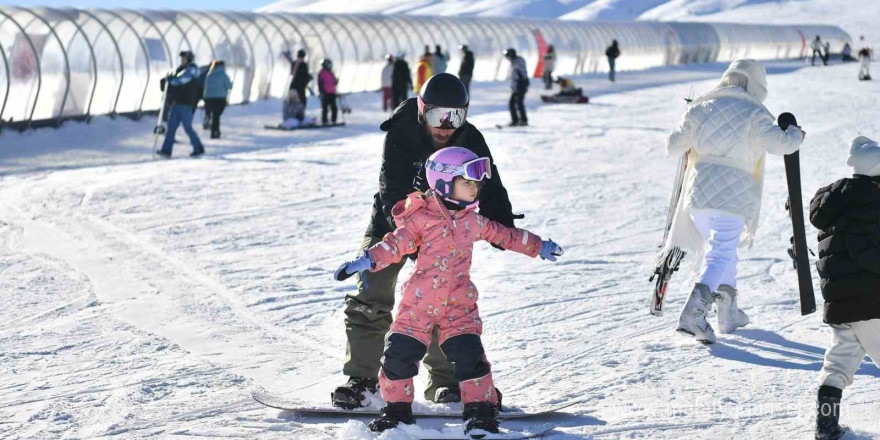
<point x="442" y="226"/>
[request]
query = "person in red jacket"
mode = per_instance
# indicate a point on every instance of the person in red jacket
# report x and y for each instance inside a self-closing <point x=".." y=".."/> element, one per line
<point x="327" y="89"/>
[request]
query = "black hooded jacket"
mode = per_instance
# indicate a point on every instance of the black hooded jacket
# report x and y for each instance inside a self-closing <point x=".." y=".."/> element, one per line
<point x="407" y="147"/>
<point x="847" y="213"/>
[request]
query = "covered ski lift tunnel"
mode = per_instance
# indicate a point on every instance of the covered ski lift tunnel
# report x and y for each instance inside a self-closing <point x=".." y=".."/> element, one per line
<point x="63" y="64"/>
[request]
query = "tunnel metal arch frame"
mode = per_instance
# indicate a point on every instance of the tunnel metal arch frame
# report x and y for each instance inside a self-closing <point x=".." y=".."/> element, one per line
<point x="357" y="40"/>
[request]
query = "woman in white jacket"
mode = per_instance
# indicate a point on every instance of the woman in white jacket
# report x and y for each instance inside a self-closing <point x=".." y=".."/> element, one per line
<point x="726" y="133"/>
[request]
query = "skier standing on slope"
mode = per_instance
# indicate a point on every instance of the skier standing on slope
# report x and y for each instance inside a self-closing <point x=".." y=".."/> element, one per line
<point x="549" y="66"/>
<point x="846" y="214"/>
<point x="300" y="76"/>
<point x="327" y="89"/>
<point x="612" y="52"/>
<point x="864" y="60"/>
<point x="441" y="226"/>
<point x="730" y="131"/>
<point x="466" y="68"/>
<point x="401" y="80"/>
<point x="518" y="76"/>
<point x="387" y="77"/>
<point x="415" y="131"/>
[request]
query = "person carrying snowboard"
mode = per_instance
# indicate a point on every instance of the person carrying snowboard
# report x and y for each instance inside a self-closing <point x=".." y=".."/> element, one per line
<point x="728" y="132"/>
<point x="327" y="89"/>
<point x="441" y="226"/>
<point x="417" y="128"/>
<point x="846" y="214"/>
<point x="184" y="89"/>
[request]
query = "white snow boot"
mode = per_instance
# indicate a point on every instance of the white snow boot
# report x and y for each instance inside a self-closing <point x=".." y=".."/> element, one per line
<point x="730" y="317"/>
<point x="693" y="318"/>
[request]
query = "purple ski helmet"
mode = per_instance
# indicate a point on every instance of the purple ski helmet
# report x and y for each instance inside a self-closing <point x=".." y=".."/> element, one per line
<point x="448" y="163"/>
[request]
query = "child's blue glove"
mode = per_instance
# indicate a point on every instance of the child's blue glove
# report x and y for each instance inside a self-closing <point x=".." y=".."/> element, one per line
<point x="349" y="268"/>
<point x="550" y="250"/>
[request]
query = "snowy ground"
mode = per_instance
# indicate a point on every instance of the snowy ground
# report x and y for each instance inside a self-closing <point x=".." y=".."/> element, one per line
<point x="144" y="299"/>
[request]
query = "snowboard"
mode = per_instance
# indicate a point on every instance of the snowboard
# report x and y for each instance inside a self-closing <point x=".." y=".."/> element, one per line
<point x="669" y="262"/>
<point x="420" y="409"/>
<point x="503" y="435"/>
<point x="303" y="127"/>
<point x="798" y="252"/>
<point x="562" y="99"/>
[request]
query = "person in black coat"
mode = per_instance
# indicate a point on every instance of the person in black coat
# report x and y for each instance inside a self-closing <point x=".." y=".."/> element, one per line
<point x="612" y="52"/>
<point x="466" y="69"/>
<point x="401" y="80"/>
<point x="299" y="71"/>
<point x="409" y="141"/>
<point x="847" y="213"/>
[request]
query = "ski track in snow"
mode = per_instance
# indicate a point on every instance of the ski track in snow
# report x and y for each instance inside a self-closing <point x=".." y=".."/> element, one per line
<point x="146" y="298"/>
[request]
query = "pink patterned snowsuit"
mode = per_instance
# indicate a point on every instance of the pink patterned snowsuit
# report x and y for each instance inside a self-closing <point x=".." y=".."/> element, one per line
<point x="440" y="293"/>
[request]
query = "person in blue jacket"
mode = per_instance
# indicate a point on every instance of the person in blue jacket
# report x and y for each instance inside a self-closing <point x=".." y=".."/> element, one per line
<point x="183" y="92"/>
<point x="217" y="86"/>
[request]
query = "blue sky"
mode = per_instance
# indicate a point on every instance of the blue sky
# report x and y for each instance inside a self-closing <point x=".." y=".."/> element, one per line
<point x="246" y="5"/>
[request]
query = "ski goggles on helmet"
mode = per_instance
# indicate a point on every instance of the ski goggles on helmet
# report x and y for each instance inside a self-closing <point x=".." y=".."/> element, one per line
<point x="445" y="117"/>
<point x="476" y="169"/>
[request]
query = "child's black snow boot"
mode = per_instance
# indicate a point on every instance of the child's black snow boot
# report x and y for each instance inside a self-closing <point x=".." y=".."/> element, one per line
<point x="828" y="414"/>
<point x="479" y="419"/>
<point x="391" y="415"/>
<point x="351" y="395"/>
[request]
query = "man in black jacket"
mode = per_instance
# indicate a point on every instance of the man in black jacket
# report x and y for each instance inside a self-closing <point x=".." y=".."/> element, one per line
<point x="417" y="128"/>
<point x="401" y="80"/>
<point x="847" y="213"/>
<point x="299" y="71"/>
<point x="466" y="69"/>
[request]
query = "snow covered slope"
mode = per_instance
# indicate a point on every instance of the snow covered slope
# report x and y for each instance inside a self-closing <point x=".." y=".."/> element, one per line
<point x="144" y="299"/>
<point x="855" y="16"/>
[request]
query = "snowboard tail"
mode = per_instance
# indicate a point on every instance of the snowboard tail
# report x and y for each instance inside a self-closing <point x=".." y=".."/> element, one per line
<point x="798" y="252"/>
<point x="564" y="99"/>
<point x="303" y="127"/>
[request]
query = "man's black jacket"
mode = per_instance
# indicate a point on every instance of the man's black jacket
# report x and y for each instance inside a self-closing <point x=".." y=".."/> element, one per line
<point x="847" y="213"/>
<point x="407" y="146"/>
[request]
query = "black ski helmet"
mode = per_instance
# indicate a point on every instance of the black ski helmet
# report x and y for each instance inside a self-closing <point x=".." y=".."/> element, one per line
<point x="327" y="63"/>
<point x="301" y="53"/>
<point x="188" y="55"/>
<point x="444" y="90"/>
<point x="510" y="53"/>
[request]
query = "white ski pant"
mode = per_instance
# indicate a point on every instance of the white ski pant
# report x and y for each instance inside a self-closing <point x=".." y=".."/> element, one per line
<point x="723" y="234"/>
<point x="864" y="67"/>
<point x="851" y="342"/>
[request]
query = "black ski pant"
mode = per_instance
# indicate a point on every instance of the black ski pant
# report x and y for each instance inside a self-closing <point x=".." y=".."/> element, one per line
<point x="821" y="57"/>
<point x="328" y="101"/>
<point x="465" y="352"/>
<point x="214" y="107"/>
<point x="368" y="319"/>
<point x="518" y="106"/>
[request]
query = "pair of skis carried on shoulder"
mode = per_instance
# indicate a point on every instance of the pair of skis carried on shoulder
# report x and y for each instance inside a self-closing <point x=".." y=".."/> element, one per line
<point x="670" y="261"/>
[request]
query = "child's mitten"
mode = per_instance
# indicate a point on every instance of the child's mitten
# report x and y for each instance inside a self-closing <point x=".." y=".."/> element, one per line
<point x="349" y="268"/>
<point x="550" y="250"/>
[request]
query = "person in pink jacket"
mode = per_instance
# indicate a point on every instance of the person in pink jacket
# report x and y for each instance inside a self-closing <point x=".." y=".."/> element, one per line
<point x="327" y="89"/>
<point x="442" y="225"/>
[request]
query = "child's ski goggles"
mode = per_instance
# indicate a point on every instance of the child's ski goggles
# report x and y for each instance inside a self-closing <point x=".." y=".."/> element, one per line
<point x="446" y="117"/>
<point x="476" y="169"/>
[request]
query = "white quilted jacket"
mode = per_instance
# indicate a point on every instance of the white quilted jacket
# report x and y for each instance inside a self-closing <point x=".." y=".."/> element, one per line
<point x="731" y="133"/>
